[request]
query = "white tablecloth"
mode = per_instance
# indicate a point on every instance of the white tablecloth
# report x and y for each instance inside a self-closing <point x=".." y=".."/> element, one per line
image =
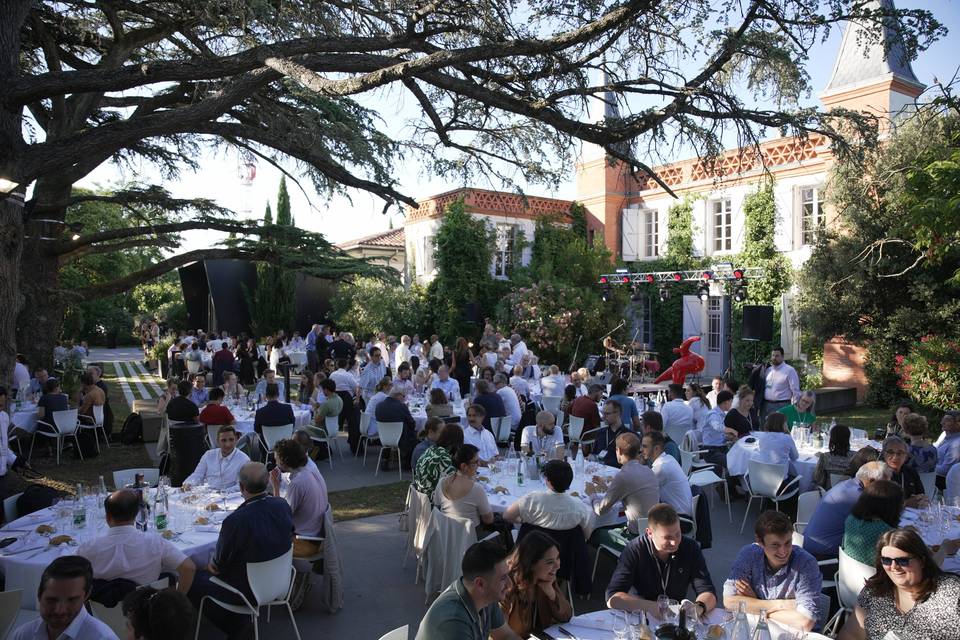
<point x="934" y="532"/>
<point x="297" y="358"/>
<point x="244" y="417"/>
<point x="25" y="418"/>
<point x="23" y="570"/>
<point x="420" y="415"/>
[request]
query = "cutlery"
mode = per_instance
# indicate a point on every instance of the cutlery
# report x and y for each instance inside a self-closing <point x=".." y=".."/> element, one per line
<point x="14" y="553"/>
<point x="38" y="552"/>
<point x="562" y="630"/>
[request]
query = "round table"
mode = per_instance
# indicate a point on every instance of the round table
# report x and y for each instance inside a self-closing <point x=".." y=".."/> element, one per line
<point x="420" y="415"/>
<point x="25" y="417"/>
<point x="22" y="563"/>
<point x="245" y="417"/>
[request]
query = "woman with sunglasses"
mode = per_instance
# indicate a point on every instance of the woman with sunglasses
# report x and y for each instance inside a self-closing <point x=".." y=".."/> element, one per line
<point x="909" y="594"/>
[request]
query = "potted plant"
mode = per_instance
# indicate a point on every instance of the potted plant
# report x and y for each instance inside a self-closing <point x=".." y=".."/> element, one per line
<point x="159" y="353"/>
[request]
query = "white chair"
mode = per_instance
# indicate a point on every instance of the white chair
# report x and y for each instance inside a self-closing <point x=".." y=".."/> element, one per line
<point x="806" y="505"/>
<point x="690" y="524"/>
<point x="111" y="616"/>
<point x="929" y="484"/>
<point x="400" y="633"/>
<point x="123" y="477"/>
<point x="10" y="511"/>
<point x="763" y="482"/>
<point x="64" y="426"/>
<point x="9" y="609"/>
<point x="703" y="477"/>
<point x="272" y="435"/>
<point x="390" y="434"/>
<point x="574" y="429"/>
<point x="193" y="366"/>
<point x="851" y="576"/>
<point x="365" y="435"/>
<point x="331" y="426"/>
<point x="212" y="430"/>
<point x="551" y="404"/>
<point x="418" y="522"/>
<point x="270" y="582"/>
<point x="96" y="425"/>
<point x="447" y="540"/>
<point x="797" y="541"/>
<point x="501" y="429"/>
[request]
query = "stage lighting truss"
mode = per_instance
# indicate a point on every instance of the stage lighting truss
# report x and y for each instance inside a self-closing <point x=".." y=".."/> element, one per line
<point x="724" y="274"/>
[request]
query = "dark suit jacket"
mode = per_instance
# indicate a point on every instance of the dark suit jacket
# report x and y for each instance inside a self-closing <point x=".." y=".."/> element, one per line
<point x="493" y="404"/>
<point x="273" y="414"/>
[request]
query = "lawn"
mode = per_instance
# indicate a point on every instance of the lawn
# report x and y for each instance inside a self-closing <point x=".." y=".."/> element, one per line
<point x="862" y="417"/>
<point x="369" y="501"/>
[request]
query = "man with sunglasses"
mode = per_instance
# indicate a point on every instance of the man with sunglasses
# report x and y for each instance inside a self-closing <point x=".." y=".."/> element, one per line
<point x="772" y="574"/>
<point x="895" y="454"/>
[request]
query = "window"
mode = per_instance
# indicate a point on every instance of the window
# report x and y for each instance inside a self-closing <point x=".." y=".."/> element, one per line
<point x="503" y="251"/>
<point x="812" y="218"/>
<point x="721" y="225"/>
<point x="425" y="255"/>
<point x="651" y="236"/>
<point x="642" y="323"/>
<point x="714" y="336"/>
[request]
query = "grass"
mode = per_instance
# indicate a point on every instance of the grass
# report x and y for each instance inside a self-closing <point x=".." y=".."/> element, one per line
<point x="862" y="417"/>
<point x="365" y="502"/>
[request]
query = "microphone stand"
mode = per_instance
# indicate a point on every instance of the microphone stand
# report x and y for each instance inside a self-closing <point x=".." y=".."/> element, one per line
<point x="575" y="351"/>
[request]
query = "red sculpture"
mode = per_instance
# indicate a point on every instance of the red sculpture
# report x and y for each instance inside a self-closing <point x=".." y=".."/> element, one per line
<point x="688" y="362"/>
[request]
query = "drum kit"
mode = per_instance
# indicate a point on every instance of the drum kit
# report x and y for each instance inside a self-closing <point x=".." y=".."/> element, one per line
<point x="628" y="361"/>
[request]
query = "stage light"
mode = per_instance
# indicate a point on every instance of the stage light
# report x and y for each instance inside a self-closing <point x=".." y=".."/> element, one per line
<point x="648" y="277"/>
<point x="637" y="296"/>
<point x="707" y="275"/>
<point x="703" y="292"/>
<point x="664" y="294"/>
<point x="625" y="279"/>
<point x="677" y="277"/>
<point x="603" y="280"/>
<point x="740" y="293"/>
<point x="605" y="293"/>
<point x="738" y="274"/>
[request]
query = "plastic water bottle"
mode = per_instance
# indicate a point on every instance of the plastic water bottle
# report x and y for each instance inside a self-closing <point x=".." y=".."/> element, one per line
<point x="520" y="463"/>
<point x="160" y="508"/>
<point x="79" y="510"/>
<point x="741" y="626"/>
<point x="762" y="631"/>
<point x="579" y="462"/>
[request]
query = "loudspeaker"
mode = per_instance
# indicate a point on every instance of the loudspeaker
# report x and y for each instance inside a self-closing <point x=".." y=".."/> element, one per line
<point x="471" y="313"/>
<point x="592" y="363"/>
<point x="757" y="324"/>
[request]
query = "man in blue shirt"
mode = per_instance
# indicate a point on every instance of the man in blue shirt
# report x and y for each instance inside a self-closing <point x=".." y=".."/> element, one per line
<point x="948" y="449"/>
<point x="199" y="394"/>
<point x="260" y="529"/>
<point x="373" y="372"/>
<point x="824" y="533"/>
<point x="628" y="408"/>
<point x="313" y="361"/>
<point x="771" y="574"/>
<point x="449" y="386"/>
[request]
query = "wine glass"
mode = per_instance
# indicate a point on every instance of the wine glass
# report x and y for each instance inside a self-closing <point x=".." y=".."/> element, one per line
<point x="620" y="625"/>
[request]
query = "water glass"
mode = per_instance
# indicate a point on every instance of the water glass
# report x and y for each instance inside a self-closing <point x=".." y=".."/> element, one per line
<point x="621" y="629"/>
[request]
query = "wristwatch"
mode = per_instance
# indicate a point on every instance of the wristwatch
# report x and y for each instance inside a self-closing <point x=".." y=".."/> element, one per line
<point x="702" y="607"/>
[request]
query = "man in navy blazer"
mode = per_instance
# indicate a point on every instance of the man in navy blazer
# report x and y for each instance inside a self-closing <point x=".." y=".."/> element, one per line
<point x="394" y="409"/>
<point x="274" y="413"/>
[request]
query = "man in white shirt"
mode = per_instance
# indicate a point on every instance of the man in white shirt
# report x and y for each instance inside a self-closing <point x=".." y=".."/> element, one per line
<point x="674" y="484"/>
<point x="716" y="387"/>
<point x="21" y="375"/>
<point x="449" y="386"/>
<point x="553" y="509"/>
<point x="577" y="378"/>
<point x="677" y="414"/>
<point x="553" y="384"/>
<point x="518" y="349"/>
<point x="510" y="400"/>
<point x="518" y="382"/>
<point x="478" y="436"/>
<point x="269" y="376"/>
<point x="345" y="381"/>
<point x="542" y="436"/>
<point x="436" y="349"/>
<point x="64" y="590"/>
<point x="126" y="552"/>
<point x="219" y="467"/>
<point x="782" y="384"/>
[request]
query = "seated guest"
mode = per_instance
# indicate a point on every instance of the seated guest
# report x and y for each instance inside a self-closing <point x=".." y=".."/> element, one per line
<point x="429" y="436"/>
<point x="52" y="400"/>
<point x="895" y="426"/>
<point x="553" y="509"/>
<point x="605" y="441"/>
<point x="230" y="387"/>
<point x="923" y="455"/>
<point x="126" y="552"/>
<point x="952" y="483"/>
<point x="439" y="407"/>
<point x="469" y="609"/>
<point x="519" y="383"/>
<point x="511" y="402"/>
<point x="449" y="386"/>
<point x="908" y="597"/>
<point x="459" y="495"/>
<point x="394" y="409"/>
<point x="215" y="413"/>
<point x="91" y="395"/>
<point x="569" y="395"/>
<point x="219" y="468"/>
<point x="586" y="407"/>
<point x="531" y="371"/>
<point x="169" y="394"/>
<point x="437" y="461"/>
<point x="712" y="438"/>
<point x="802" y="411"/>
<point x="274" y="413"/>
<point x="895" y="454"/>
<point x="553" y="384"/>
<point x="491" y="402"/>
<point x="771" y="574"/>
<point x="199" y="394"/>
<point x="775" y="445"/>
<point x="542" y="437"/>
<point x="534" y="600"/>
<point x="193" y="354"/>
<point x="403" y="381"/>
<point x="661" y="562"/>
<point x="628" y="408"/>
<point x="677" y="415"/>
<point x="269" y="377"/>
<point x="65" y="587"/>
<point x="39" y="381"/>
<point x="330" y="406"/>
<point x="738" y="421"/>
<point x="158" y="615"/>
<point x="824" y="532"/>
<point x="260" y="529"/>
<point x="381" y="391"/>
<point x="948" y="448"/>
<point x="181" y="408"/>
<point x="836" y="459"/>
<point x="673" y="482"/>
<point x="698" y="401"/>
<point x="652" y="421"/>
<point x="479" y="436"/>
<point x="876" y="511"/>
<point x="635" y="487"/>
<point x="576" y="379"/>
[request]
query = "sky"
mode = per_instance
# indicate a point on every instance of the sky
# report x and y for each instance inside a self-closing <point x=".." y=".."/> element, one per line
<point x="342" y="218"/>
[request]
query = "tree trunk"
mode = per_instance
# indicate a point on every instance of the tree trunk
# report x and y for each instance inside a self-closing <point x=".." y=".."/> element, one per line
<point x="41" y="318"/>
<point x="11" y="298"/>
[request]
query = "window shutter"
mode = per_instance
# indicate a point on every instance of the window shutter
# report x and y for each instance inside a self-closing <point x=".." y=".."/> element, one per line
<point x="630" y="235"/>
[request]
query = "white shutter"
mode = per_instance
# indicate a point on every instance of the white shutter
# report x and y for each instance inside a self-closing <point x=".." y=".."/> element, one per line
<point x="630" y="235"/>
<point x="693" y="321"/>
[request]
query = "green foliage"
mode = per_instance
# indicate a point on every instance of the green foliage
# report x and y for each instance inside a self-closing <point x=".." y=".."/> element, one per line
<point x="561" y="254"/>
<point x="284" y="217"/>
<point x="272" y="302"/>
<point x="162" y="299"/>
<point x="368" y="305"/>
<point x="578" y="216"/>
<point x="160" y="348"/>
<point x="680" y="233"/>
<point x="268" y="215"/>
<point x="930" y="372"/>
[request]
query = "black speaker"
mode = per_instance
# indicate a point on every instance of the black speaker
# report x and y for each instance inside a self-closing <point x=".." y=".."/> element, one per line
<point x="757" y="323"/>
<point x="592" y="363"/>
<point x="471" y="313"/>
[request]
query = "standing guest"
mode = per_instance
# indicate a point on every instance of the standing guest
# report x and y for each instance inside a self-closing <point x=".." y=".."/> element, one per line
<point x="489" y="338"/>
<point x="260" y="529"/>
<point x="836" y="459"/>
<point x="439" y="406"/>
<point x="402" y="354"/>
<point x="877" y="510"/>
<point x="462" y="365"/>
<point x="605" y="441"/>
<point x="895" y="454"/>
<point x="652" y="421"/>
<point x="158" y="615"/>
<point x="908" y="597"/>
<point x="661" y="562"/>
<point x="199" y="394"/>
<point x="394" y="409"/>
<point x="781" y="383"/>
<point x="429" y="437"/>
<point x="445" y="383"/>
<point x="739" y="420"/>
<point x="635" y="487"/>
<point x="677" y="415"/>
<point x="214" y="413"/>
<point x="416" y="347"/>
<point x="62" y="596"/>
<point x="948" y="449"/>
<point x="381" y="392"/>
<point x="716" y="386"/>
<point x="802" y="411"/>
<point x="586" y="407"/>
<point x="491" y="402"/>
<point x="459" y="495"/>
<point x="404" y="383"/>
<point x="923" y="455"/>
<point x="437" y="461"/>
<point x="698" y="401"/>
<point x="52" y="400"/>
<point x="272" y="414"/>
<point x="181" y="408"/>
<point x="469" y="609"/>
<point x="534" y="600"/>
<point x="219" y="468"/>
<point x="247" y="364"/>
<point x="373" y="372"/>
<point x="313" y="358"/>
<point x="771" y="574"/>
<point x="511" y="403"/>
<point x="193" y="354"/>
<point x="542" y="437"/>
<point x="479" y="436"/>
<point x="126" y="552"/>
<point x="436" y="348"/>
<point x="554" y="508"/>
<point x="673" y="482"/>
<point x="628" y="408"/>
<point x="223" y="360"/>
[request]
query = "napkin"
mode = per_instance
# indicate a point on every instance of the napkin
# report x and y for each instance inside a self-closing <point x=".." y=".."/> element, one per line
<point x="599" y="620"/>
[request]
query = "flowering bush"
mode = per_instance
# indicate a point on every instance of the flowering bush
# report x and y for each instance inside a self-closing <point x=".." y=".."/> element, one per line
<point x="930" y="372"/>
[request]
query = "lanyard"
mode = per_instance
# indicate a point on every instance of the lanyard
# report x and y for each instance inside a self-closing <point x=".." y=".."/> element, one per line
<point x="664" y="579"/>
